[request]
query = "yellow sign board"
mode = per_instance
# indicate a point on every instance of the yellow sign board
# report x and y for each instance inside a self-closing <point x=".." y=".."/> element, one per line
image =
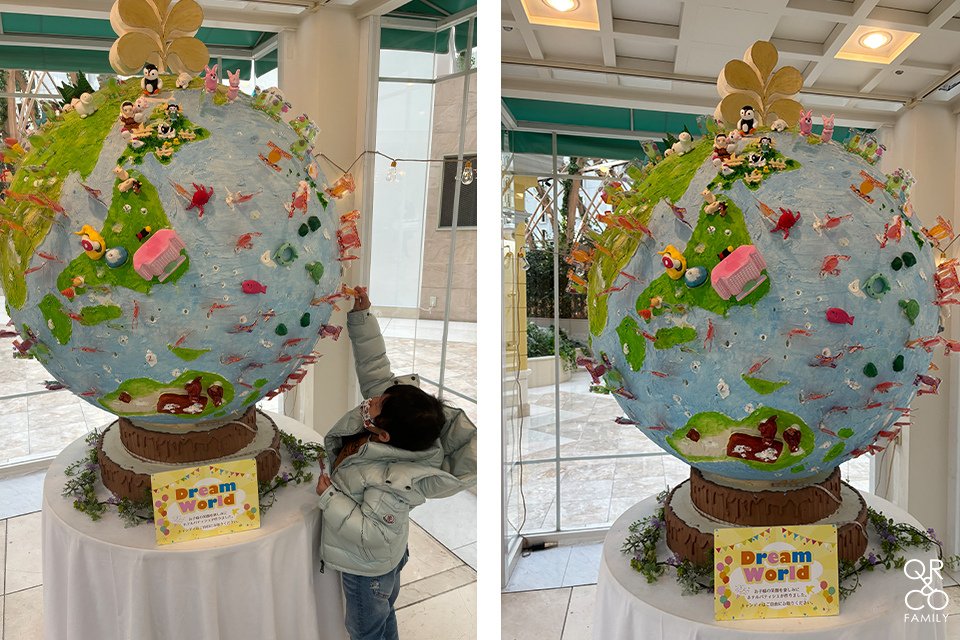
<point x="209" y="500"/>
<point x="776" y="572"/>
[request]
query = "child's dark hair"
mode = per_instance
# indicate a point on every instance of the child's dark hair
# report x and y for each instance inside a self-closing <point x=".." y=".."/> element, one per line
<point x="412" y="417"/>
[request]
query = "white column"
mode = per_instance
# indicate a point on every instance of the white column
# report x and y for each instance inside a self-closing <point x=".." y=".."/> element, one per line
<point x="324" y="69"/>
<point x="924" y="140"/>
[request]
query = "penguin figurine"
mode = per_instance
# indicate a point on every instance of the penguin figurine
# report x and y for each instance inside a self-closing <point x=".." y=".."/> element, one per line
<point x="151" y="82"/>
<point x="747" y="122"/>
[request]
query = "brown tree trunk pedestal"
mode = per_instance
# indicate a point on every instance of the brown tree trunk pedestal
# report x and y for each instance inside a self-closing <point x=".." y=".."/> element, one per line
<point x="129" y="453"/>
<point x="703" y="503"/>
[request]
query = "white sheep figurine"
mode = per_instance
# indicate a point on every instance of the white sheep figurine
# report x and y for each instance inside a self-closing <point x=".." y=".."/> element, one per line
<point x="84" y="105"/>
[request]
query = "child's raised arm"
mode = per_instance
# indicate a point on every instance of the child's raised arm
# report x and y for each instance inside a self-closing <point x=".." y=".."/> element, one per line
<point x="369" y="350"/>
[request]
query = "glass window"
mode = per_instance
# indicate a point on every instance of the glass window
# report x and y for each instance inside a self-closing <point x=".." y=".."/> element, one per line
<point x="604" y="466"/>
<point x="422" y="278"/>
<point x="467" y="209"/>
<point x="407" y="64"/>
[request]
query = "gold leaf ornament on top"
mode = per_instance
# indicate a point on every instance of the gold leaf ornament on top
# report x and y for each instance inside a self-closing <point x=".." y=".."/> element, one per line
<point x="158" y="32"/>
<point x="753" y="82"/>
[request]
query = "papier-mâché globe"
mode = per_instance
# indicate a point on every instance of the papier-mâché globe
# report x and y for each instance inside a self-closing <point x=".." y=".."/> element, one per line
<point x="764" y="307"/>
<point x="172" y="257"/>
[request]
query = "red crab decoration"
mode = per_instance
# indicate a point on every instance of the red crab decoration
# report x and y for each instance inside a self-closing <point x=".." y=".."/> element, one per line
<point x="348" y="237"/>
<point x="787" y="219"/>
<point x="201" y="196"/>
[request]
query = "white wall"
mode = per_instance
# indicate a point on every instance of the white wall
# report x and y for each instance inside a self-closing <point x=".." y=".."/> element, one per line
<point x="324" y="67"/>
<point x="924" y="140"/>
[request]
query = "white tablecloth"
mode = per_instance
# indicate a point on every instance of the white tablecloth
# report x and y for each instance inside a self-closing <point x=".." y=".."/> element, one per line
<point x="102" y="581"/>
<point x="628" y="607"/>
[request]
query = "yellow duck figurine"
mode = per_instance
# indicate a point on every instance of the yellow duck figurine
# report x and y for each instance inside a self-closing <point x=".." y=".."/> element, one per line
<point x="673" y="261"/>
<point x="92" y="242"/>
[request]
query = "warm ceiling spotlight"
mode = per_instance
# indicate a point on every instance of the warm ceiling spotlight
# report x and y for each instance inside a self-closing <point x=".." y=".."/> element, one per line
<point x="875" y="39"/>
<point x="876" y="46"/>
<point x="562" y="5"/>
<point x="568" y="14"/>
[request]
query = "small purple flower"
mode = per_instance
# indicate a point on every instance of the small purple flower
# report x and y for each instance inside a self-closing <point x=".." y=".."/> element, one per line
<point x="872" y="559"/>
<point x="674" y="560"/>
<point x="933" y="535"/>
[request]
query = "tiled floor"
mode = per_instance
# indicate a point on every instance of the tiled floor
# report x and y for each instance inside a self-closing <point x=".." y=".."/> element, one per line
<point x="563" y="566"/>
<point x="552" y="614"/>
<point x="593" y="492"/>
<point x="438" y="598"/>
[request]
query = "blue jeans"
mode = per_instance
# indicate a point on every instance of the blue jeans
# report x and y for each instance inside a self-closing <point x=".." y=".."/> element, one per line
<point x="369" y="603"/>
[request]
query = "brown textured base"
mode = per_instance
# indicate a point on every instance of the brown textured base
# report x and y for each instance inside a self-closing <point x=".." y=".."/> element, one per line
<point x="189" y="446"/>
<point x="134" y="484"/>
<point x="694" y="544"/>
<point x="800" y="505"/>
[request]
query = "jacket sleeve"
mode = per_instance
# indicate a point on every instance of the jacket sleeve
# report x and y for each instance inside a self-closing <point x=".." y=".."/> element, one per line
<point x="374" y="524"/>
<point x="369" y="353"/>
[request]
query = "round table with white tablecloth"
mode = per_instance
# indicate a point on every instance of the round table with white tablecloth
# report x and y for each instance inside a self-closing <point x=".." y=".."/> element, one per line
<point x="628" y="607"/>
<point x="102" y="581"/>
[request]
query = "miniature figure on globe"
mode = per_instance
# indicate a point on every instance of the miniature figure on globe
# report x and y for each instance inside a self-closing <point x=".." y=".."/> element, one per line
<point x="763" y="421"/>
<point x="112" y="257"/>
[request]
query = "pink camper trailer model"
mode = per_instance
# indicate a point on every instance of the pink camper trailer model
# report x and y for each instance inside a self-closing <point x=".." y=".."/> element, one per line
<point x="159" y="255"/>
<point x="738" y="270"/>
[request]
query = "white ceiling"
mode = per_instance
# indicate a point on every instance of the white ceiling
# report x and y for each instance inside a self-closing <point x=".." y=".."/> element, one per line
<point x="666" y="54"/>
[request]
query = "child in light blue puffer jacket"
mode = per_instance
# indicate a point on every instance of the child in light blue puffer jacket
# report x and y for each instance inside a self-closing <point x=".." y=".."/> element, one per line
<point x="398" y="448"/>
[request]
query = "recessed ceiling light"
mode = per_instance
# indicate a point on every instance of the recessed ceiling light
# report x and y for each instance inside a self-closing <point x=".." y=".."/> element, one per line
<point x="877" y="46"/>
<point x="562" y="5"/>
<point x="875" y="39"/>
<point x="570" y="14"/>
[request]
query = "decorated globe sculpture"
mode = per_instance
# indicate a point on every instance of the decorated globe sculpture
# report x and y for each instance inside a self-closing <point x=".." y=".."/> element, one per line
<point x="763" y="305"/>
<point x="171" y="251"/>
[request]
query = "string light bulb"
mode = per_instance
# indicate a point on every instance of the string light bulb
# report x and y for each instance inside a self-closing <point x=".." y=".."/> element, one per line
<point x="524" y="263"/>
<point x="467" y="176"/>
<point x="392" y="174"/>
